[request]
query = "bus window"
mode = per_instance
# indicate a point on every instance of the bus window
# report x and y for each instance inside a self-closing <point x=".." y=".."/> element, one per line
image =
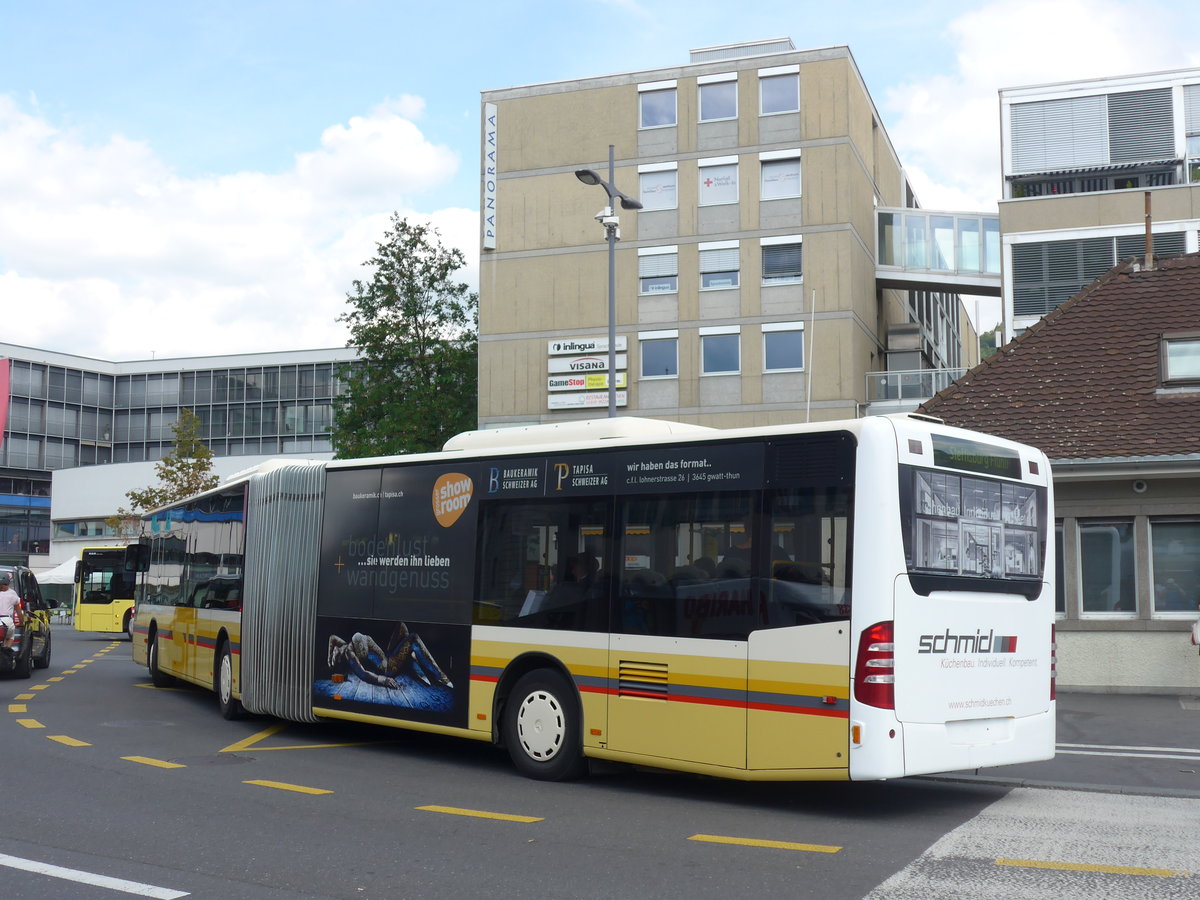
<point x="689" y="566"/>
<point x="544" y="565"/>
<point x="810" y="563"/>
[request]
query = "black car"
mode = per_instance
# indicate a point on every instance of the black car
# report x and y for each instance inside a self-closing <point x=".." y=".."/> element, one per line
<point x="31" y="638"/>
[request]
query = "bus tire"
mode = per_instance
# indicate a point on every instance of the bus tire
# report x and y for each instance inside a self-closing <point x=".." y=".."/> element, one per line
<point x="157" y="677"/>
<point x="127" y="625"/>
<point x="541" y="727"/>
<point x="43" y="661"/>
<point x="231" y="708"/>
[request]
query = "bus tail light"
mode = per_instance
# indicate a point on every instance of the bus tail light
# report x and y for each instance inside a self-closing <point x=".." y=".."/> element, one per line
<point x="875" y="667"/>
<point x="1053" y="660"/>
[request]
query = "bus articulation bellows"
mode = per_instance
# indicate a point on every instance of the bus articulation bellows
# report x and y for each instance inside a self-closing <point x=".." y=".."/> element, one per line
<point x="852" y="600"/>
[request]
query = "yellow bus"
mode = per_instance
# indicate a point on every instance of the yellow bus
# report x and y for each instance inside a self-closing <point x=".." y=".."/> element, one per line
<point x="852" y="600"/>
<point x="103" y="592"/>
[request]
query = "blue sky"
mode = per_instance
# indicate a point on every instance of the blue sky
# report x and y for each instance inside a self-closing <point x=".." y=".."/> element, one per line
<point x="232" y="164"/>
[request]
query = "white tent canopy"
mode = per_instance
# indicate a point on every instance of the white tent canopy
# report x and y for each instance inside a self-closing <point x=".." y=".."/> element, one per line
<point x="63" y="573"/>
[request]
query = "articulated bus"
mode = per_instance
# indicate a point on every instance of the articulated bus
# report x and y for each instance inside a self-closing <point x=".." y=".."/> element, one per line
<point x="103" y="590"/>
<point x="865" y="599"/>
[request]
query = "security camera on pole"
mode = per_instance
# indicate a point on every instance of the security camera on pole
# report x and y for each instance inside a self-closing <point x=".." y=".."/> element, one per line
<point x="608" y="218"/>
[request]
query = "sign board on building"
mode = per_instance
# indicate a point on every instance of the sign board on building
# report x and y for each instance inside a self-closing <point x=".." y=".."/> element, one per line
<point x="577" y="346"/>
<point x="594" y="400"/>
<point x="582" y="382"/>
<point x="490" y="176"/>
<point x="580" y="364"/>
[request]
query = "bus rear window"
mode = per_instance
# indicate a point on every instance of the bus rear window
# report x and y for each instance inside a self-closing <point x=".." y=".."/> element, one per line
<point x="974" y="530"/>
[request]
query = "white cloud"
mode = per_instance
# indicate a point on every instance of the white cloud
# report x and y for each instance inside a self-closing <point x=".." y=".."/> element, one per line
<point x="107" y="252"/>
<point x="947" y="129"/>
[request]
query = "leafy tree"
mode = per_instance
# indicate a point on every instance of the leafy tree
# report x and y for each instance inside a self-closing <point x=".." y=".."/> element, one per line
<point x="414" y="385"/>
<point x="987" y="342"/>
<point x="186" y="470"/>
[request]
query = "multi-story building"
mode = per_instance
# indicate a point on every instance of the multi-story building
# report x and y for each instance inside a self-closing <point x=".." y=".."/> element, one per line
<point x="746" y="288"/>
<point x="67" y="415"/>
<point x="1090" y="167"/>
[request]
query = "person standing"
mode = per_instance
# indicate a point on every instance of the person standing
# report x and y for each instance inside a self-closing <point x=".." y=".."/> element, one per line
<point x="9" y="604"/>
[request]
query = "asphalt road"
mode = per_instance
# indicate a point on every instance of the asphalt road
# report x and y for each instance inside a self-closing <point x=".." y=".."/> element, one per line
<point x="110" y="778"/>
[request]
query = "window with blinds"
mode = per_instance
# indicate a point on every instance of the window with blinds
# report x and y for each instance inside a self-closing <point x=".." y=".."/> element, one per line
<point x="719" y="266"/>
<point x="1049" y="273"/>
<point x="1191" y="118"/>
<point x="782" y="262"/>
<point x="658" y="272"/>
<point x="1089" y="132"/>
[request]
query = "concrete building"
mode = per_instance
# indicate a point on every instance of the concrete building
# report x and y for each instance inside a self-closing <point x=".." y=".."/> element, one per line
<point x="1089" y="167"/>
<point x="94" y="428"/>
<point x="746" y="288"/>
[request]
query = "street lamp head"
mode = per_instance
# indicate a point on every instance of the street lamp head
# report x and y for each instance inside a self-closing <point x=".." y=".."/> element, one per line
<point x="630" y="203"/>
<point x="587" y="176"/>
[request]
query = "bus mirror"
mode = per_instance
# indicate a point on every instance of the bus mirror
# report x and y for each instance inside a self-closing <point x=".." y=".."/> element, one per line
<point x="137" y="558"/>
<point x="78" y="570"/>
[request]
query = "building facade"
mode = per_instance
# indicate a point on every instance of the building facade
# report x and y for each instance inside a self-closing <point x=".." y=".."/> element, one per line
<point x="1089" y="167"/>
<point x="1108" y="386"/>
<point x="745" y="287"/>
<point x="65" y="412"/>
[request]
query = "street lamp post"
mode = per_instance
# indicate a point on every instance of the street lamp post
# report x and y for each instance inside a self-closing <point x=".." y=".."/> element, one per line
<point x="612" y="232"/>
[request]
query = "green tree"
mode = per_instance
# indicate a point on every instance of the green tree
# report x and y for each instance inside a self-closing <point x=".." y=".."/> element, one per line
<point x="416" y="330"/>
<point x="186" y="470"/>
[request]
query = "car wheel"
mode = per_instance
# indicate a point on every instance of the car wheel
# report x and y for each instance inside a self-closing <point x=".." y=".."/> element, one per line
<point x="43" y="661"/>
<point x="541" y="727"/>
<point x="23" y="665"/>
<point x="157" y="678"/>
<point x="231" y="708"/>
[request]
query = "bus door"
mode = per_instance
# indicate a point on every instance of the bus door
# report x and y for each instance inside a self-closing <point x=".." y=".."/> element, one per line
<point x="683" y="610"/>
<point x="799" y="673"/>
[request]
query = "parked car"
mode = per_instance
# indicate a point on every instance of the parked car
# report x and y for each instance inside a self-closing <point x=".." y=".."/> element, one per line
<point x="31" y="635"/>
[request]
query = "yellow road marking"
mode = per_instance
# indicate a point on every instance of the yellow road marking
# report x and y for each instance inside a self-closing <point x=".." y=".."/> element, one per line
<point x="69" y="741"/>
<point x="153" y="688"/>
<point x="17" y="708"/>
<point x="254" y="739"/>
<point x="24" y="696"/>
<point x="298" y="788"/>
<point x="30" y="723"/>
<point x="55" y="678"/>
<point x="773" y="845"/>
<point x="160" y="763"/>
<point x="40" y="687"/>
<point x="480" y="814"/>
<point x="1092" y="867"/>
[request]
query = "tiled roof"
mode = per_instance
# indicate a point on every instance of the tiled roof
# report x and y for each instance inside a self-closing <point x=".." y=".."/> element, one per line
<point x="1084" y="382"/>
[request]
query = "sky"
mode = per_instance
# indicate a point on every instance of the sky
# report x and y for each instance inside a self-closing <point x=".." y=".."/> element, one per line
<point x="198" y="178"/>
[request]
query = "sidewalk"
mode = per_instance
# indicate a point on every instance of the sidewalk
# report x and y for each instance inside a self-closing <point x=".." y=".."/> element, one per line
<point x="1117" y="743"/>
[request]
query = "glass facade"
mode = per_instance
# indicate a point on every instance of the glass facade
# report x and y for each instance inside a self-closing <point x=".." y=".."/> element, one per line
<point x="62" y="417"/>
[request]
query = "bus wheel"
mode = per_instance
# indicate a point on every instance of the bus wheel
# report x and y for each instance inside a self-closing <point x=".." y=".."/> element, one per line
<point x="127" y="626"/>
<point x="43" y="661"/>
<point x="223" y="684"/>
<point x="157" y="677"/>
<point x="541" y="727"/>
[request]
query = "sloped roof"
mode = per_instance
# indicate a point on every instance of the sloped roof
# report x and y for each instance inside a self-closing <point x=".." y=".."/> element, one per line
<point x="1084" y="382"/>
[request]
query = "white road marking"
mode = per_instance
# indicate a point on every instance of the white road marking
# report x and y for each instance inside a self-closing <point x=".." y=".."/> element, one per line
<point x="114" y="884"/>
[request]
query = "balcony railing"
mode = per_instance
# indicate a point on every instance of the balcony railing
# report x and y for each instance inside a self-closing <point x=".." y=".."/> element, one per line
<point x="909" y="388"/>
